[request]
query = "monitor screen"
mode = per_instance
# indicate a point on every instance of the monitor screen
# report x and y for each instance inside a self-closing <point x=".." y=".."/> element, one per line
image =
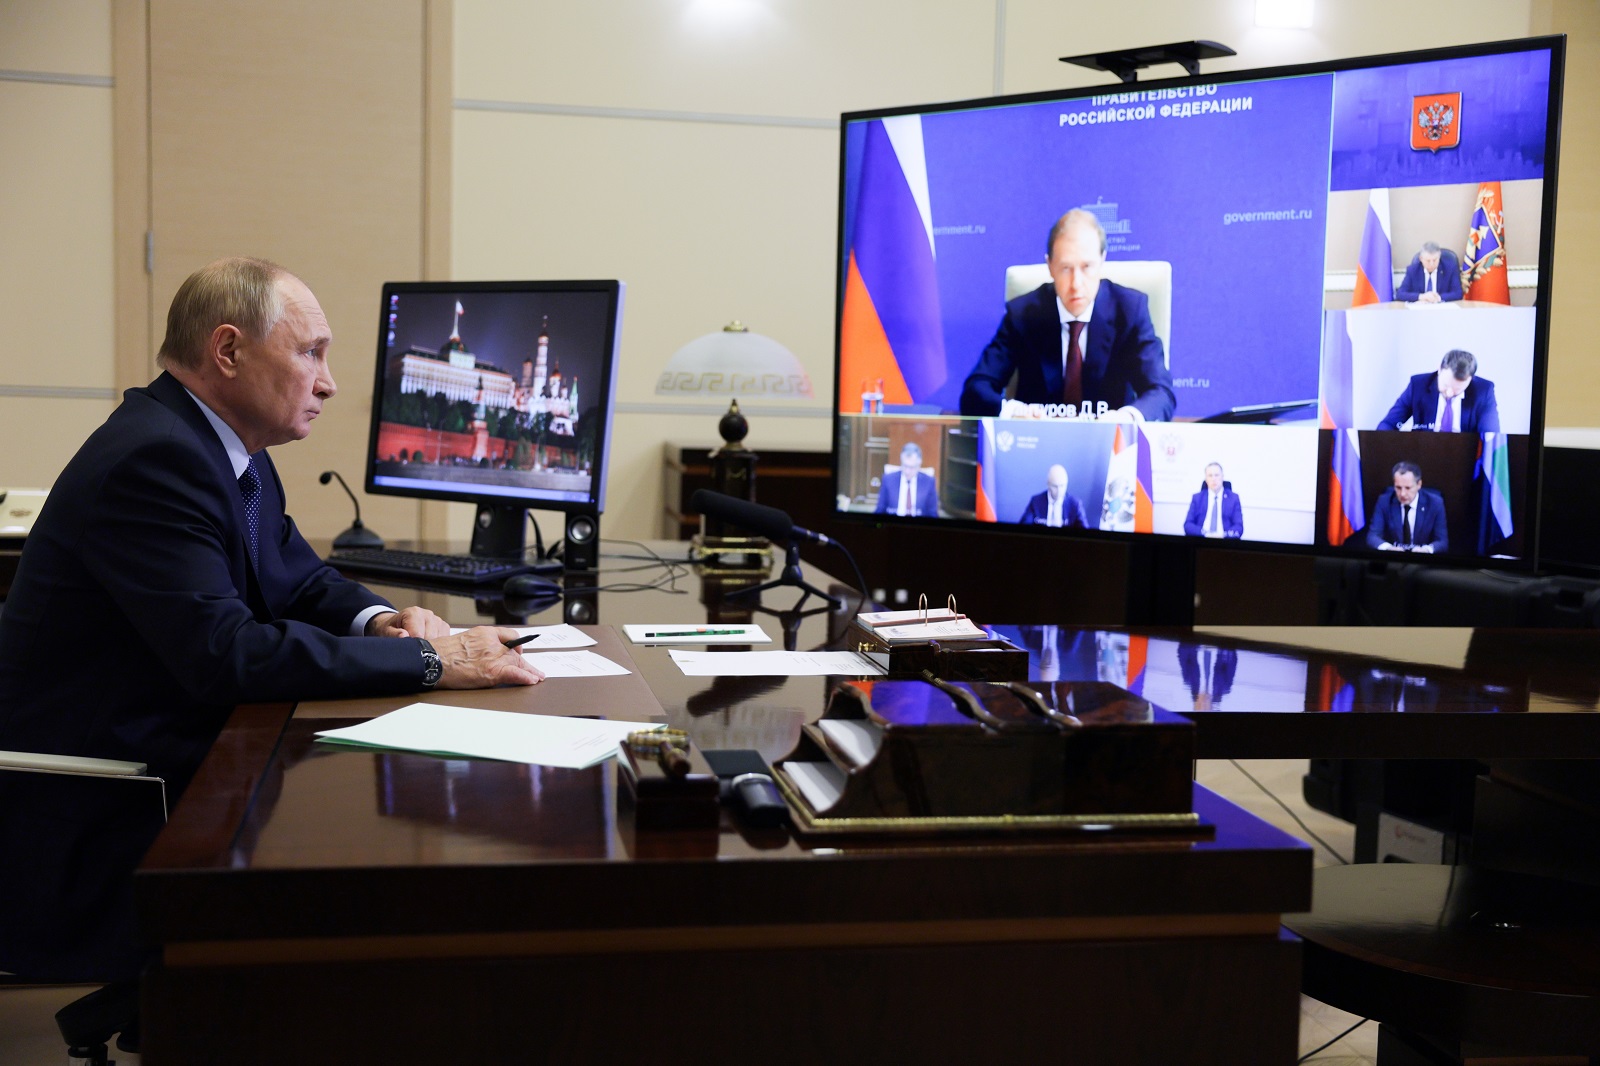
<point x="495" y="392"/>
<point x="1297" y="307"/>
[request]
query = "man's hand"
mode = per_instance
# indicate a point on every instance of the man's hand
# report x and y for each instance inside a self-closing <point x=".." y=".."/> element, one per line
<point x="411" y="622"/>
<point x="479" y="658"/>
<point x="1429" y="297"/>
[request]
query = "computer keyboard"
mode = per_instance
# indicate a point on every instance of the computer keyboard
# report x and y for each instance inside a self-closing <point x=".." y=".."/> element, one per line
<point x="427" y="566"/>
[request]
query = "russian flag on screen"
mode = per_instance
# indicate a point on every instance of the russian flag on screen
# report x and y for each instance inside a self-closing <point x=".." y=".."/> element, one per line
<point x="1375" y="264"/>
<point x="890" y="329"/>
<point x="1494" y="522"/>
<point x="1138" y="658"/>
<point x="986" y="468"/>
<point x="1346" y="504"/>
<point x="1144" y="508"/>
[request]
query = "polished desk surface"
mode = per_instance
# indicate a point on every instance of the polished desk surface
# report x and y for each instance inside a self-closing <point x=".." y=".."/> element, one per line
<point x="315" y="820"/>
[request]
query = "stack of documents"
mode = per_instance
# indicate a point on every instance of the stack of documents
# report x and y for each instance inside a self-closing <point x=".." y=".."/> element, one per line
<point x="910" y="627"/>
<point x="545" y="740"/>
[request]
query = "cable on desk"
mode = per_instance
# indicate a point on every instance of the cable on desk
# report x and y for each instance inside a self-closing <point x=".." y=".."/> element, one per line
<point x="1291" y="813"/>
<point x="1335" y="1040"/>
<point x="667" y="582"/>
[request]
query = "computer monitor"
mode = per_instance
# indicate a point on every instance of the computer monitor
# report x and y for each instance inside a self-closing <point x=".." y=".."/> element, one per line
<point x="498" y="393"/>
<point x="1269" y="267"/>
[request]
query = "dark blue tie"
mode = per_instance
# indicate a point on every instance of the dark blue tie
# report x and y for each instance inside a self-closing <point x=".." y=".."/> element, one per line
<point x="250" y="489"/>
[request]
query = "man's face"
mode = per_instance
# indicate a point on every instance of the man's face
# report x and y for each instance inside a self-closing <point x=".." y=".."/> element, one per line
<point x="1075" y="264"/>
<point x="283" y="380"/>
<point x="1055" y="483"/>
<point x="910" y="462"/>
<point x="1406" y="485"/>
<point x="1449" y="387"/>
<point x="1430" y="260"/>
<point x="1214" y="478"/>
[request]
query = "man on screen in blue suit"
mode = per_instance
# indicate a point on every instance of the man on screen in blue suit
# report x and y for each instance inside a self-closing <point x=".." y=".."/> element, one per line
<point x="908" y="491"/>
<point x="1080" y="340"/>
<point x="162" y="585"/>
<point x="1408" y="517"/>
<point x="1433" y="277"/>
<point x="1054" y="507"/>
<point x="1214" y="511"/>
<point x="1449" y="400"/>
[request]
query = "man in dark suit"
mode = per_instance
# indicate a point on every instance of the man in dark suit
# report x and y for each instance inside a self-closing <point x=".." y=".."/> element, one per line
<point x="163" y="584"/>
<point x="1079" y="341"/>
<point x="1432" y="277"/>
<point x="1053" y="506"/>
<point x="1208" y="672"/>
<point x="1408" y="518"/>
<point x="908" y="491"/>
<point x="1449" y="400"/>
<point x="1214" y="511"/>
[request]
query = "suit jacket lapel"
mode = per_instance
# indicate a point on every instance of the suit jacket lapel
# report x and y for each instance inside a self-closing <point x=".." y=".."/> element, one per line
<point x="1430" y="403"/>
<point x="1043" y="328"/>
<point x="172" y="395"/>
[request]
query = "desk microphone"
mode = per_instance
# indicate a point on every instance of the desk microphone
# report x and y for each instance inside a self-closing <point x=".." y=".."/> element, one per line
<point x="768" y="522"/>
<point x="358" y="535"/>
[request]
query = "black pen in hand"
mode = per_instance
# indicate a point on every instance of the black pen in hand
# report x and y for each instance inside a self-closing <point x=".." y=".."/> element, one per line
<point x="520" y="641"/>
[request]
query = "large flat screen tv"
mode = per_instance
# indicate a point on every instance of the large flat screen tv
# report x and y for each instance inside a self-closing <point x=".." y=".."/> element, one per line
<point x="1303" y="308"/>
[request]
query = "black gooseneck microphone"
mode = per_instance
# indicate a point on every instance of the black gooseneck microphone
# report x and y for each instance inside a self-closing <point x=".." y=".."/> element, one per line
<point x="758" y="518"/>
<point x="779" y="528"/>
<point x="358" y="535"/>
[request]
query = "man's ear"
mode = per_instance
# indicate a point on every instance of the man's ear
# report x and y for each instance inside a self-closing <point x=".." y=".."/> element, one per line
<point x="222" y="349"/>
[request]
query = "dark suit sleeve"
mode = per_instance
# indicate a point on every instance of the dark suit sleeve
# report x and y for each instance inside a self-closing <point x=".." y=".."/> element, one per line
<point x="884" y="492"/>
<point x="1488" y="408"/>
<point x="1139" y="353"/>
<point x="1075" y="513"/>
<point x="156" y="545"/>
<point x="1450" y="272"/>
<point x="1441" y="525"/>
<point x="1378" y="527"/>
<point x="1412" y="284"/>
<point x="985" y="386"/>
<point x="1233" y="516"/>
<point x="1194" y="521"/>
<point x="1399" y="413"/>
<point x="927" y="495"/>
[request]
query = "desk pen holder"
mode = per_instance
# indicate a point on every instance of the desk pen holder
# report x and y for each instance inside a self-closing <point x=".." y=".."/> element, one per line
<point x="915" y="758"/>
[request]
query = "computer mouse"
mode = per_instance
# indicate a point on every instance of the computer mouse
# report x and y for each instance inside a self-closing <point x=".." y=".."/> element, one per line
<point x="530" y="587"/>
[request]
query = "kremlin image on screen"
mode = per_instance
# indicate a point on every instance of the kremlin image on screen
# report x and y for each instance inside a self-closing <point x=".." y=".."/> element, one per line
<point x="491" y="393"/>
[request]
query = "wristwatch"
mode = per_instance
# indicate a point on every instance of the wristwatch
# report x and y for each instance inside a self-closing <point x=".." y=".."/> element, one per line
<point x="432" y="665"/>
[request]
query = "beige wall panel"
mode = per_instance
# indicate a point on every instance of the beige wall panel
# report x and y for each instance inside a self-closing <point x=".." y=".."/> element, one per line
<point x="39" y="436"/>
<point x="807" y="58"/>
<point x="56" y="36"/>
<point x="704" y="222"/>
<point x="56" y="285"/>
<point x="1574" y="380"/>
<point x="1038" y="32"/>
<point x="294" y="131"/>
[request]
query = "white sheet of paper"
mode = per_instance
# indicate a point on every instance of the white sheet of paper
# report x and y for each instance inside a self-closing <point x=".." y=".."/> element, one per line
<point x="773" y="663"/>
<point x="895" y="618"/>
<point x="546" y="740"/>
<point x="955" y="629"/>
<point x="556" y="636"/>
<point x="697" y="634"/>
<point x="573" y="664"/>
<point x="821" y="783"/>
<point x="857" y="738"/>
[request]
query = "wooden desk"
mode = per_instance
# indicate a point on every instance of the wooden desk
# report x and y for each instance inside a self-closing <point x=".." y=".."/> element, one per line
<point x="322" y="905"/>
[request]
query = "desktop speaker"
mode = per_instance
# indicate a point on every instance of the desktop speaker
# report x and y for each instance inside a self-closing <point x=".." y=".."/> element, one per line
<point x="581" y="550"/>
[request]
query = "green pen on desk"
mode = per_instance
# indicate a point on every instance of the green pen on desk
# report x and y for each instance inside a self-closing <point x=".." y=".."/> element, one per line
<point x="698" y="633"/>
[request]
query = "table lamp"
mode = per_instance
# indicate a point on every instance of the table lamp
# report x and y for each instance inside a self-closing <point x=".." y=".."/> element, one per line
<point x="732" y="362"/>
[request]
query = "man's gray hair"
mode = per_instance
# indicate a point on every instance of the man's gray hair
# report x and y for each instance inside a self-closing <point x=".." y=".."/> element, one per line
<point x="1406" y="466"/>
<point x="913" y="447"/>
<point x="1431" y="248"/>
<point x="1076" y="217"/>
<point x="239" y="291"/>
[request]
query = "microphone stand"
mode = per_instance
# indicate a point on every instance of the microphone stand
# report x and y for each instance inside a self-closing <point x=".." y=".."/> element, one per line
<point x="358" y="535"/>
<point x="791" y="576"/>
